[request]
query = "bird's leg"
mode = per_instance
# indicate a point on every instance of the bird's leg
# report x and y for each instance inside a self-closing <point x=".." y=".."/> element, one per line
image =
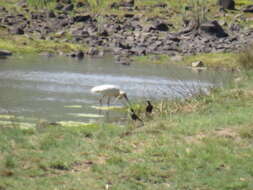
<point x="108" y="100"/>
<point x="100" y="100"/>
<point x="116" y="98"/>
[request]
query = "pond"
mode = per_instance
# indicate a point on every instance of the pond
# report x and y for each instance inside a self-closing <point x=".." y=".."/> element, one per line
<point x="58" y="88"/>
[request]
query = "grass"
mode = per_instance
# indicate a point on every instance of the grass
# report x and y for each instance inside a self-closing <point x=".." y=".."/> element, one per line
<point x="200" y="143"/>
<point x="214" y="59"/>
<point x="22" y="44"/>
<point x="228" y="60"/>
<point x="245" y="59"/>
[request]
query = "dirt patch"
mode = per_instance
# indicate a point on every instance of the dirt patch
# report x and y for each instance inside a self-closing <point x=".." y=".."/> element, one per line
<point x="227" y="133"/>
<point x="196" y="139"/>
<point x="82" y="166"/>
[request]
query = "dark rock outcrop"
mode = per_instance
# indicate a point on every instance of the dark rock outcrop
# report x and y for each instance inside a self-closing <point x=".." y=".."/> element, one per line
<point x="4" y="53"/>
<point x="226" y="4"/>
<point x="248" y="9"/>
<point x="59" y="6"/>
<point x="17" y="31"/>
<point x="82" y="18"/>
<point x="69" y="7"/>
<point x="213" y="28"/>
<point x="162" y="27"/>
<point x="128" y="34"/>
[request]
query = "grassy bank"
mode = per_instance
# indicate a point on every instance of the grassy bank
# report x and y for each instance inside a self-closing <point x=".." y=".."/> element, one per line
<point x="24" y="44"/>
<point x="225" y="60"/>
<point x="201" y="143"/>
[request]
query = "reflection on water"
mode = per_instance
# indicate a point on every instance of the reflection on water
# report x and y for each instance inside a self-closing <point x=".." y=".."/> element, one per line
<point x="42" y="87"/>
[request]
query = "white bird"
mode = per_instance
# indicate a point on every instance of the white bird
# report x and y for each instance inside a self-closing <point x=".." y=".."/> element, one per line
<point x="109" y="91"/>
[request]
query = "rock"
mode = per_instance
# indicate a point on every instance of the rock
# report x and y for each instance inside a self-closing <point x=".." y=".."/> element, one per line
<point x="66" y="1"/>
<point x="80" y="33"/>
<point x="59" y="6"/>
<point x="69" y="7"/>
<point x="123" y="3"/>
<point x="139" y="51"/>
<point x="82" y="4"/>
<point x="17" y="31"/>
<point x="4" y="53"/>
<point x="198" y="64"/>
<point x="101" y="53"/>
<point x="213" y="28"/>
<point x="234" y="27"/>
<point x="79" y="54"/>
<point x="127" y="3"/>
<point x="123" y="45"/>
<point x="82" y="18"/>
<point x="93" y="51"/>
<point x="51" y="14"/>
<point x="123" y="60"/>
<point x="226" y="4"/>
<point x="128" y="15"/>
<point x="36" y="16"/>
<point x="2" y="9"/>
<point x="104" y="33"/>
<point x="248" y="9"/>
<point x="114" y="5"/>
<point x="160" y="5"/>
<point x="162" y="27"/>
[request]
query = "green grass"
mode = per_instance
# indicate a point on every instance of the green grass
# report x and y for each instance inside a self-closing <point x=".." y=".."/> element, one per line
<point x="22" y="44"/>
<point x="228" y="60"/>
<point x="201" y="143"/>
<point x="214" y="59"/>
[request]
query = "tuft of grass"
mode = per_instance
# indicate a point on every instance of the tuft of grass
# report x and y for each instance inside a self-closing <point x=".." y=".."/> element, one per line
<point x="245" y="59"/>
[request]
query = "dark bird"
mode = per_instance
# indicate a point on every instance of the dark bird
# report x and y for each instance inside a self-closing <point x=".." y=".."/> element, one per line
<point x="149" y="107"/>
<point x="134" y="117"/>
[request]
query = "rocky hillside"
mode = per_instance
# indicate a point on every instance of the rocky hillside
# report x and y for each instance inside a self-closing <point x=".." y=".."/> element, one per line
<point x="132" y="27"/>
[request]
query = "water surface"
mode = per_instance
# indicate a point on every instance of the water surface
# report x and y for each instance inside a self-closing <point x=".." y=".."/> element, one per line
<point x="55" y="88"/>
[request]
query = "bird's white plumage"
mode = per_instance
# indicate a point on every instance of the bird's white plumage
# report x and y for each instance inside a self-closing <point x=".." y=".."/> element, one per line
<point x="109" y="91"/>
<point x="106" y="89"/>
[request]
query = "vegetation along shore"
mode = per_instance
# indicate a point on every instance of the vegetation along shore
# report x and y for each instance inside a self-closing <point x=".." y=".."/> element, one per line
<point x="201" y="142"/>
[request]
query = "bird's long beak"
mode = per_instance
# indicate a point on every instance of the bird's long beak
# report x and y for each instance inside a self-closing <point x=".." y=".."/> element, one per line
<point x="126" y="98"/>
